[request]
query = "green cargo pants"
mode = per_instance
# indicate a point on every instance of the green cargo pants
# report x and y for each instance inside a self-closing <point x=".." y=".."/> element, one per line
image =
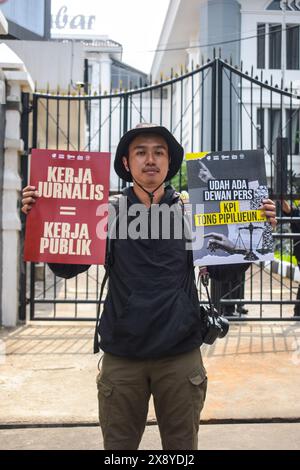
<point x="178" y="385"/>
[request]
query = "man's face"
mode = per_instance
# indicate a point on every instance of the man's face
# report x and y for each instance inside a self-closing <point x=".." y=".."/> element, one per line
<point x="148" y="159"/>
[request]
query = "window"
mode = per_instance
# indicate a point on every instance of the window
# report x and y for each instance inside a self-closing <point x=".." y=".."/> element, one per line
<point x="275" y="31"/>
<point x="292" y="47"/>
<point x="274" y="128"/>
<point x="269" y="129"/>
<point x="261" y="46"/>
<point x="260" y="128"/>
<point x="292" y="130"/>
<point x="126" y="77"/>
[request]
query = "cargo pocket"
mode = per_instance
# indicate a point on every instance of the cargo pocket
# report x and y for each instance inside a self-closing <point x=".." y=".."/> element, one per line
<point x="105" y="392"/>
<point x="198" y="383"/>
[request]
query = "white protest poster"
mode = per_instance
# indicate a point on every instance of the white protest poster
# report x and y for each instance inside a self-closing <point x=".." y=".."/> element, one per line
<point x="226" y="190"/>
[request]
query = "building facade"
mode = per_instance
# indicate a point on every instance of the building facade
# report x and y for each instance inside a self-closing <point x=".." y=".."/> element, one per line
<point x="262" y="37"/>
<point x="76" y="59"/>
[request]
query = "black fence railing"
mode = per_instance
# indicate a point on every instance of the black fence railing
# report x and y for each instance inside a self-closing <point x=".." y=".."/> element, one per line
<point x="213" y="107"/>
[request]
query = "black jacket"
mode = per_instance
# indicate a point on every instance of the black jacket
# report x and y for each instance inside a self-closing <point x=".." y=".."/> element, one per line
<point x="152" y="306"/>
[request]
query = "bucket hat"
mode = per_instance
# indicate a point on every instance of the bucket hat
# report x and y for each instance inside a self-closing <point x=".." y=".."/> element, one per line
<point x="175" y="149"/>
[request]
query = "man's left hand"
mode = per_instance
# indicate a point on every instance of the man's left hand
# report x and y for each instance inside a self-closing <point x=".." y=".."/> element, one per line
<point x="269" y="209"/>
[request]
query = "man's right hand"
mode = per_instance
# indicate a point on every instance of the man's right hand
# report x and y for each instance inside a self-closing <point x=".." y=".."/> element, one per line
<point x="29" y="197"/>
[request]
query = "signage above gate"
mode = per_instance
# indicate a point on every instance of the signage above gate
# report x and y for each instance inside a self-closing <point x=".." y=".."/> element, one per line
<point x="70" y="22"/>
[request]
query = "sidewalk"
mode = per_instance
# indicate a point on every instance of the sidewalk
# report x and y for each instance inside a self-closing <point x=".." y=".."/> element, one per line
<point x="211" y="437"/>
<point x="48" y="374"/>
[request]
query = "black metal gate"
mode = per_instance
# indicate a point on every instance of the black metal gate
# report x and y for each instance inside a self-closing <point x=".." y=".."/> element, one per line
<point x="214" y="107"/>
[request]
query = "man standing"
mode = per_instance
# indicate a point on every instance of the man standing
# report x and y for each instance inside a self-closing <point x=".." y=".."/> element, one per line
<point x="150" y="329"/>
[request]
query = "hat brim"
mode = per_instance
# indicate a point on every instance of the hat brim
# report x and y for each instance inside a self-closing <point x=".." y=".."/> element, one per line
<point x="175" y="151"/>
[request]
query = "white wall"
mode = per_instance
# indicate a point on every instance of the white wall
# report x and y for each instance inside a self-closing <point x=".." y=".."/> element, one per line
<point x="53" y="63"/>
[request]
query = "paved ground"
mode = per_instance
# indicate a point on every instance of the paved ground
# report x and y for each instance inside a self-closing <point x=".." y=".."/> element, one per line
<point x="211" y="437"/>
<point x="48" y="374"/>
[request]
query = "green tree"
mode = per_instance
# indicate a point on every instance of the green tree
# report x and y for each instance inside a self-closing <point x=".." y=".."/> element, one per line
<point x="180" y="184"/>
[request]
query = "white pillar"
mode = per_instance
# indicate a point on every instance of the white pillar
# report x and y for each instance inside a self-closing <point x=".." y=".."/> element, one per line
<point x="95" y="115"/>
<point x="101" y="79"/>
<point x="105" y="72"/>
<point x="17" y="80"/>
<point x="105" y="82"/>
<point x="11" y="225"/>
<point x="193" y="113"/>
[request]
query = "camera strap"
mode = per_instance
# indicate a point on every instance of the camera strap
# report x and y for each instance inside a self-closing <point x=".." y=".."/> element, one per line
<point x="203" y="276"/>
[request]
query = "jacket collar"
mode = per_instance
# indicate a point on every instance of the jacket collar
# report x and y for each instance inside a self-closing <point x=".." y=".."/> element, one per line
<point x="170" y="196"/>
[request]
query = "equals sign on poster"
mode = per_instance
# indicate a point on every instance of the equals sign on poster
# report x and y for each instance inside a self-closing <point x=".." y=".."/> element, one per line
<point x="65" y="210"/>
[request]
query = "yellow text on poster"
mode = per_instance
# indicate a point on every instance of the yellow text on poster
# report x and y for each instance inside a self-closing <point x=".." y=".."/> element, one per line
<point x="226" y="218"/>
<point x="229" y="206"/>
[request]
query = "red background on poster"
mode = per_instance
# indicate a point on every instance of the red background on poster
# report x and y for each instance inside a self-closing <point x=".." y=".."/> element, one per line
<point x="75" y="211"/>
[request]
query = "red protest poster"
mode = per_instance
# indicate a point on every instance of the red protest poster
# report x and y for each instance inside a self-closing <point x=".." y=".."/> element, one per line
<point x="67" y="223"/>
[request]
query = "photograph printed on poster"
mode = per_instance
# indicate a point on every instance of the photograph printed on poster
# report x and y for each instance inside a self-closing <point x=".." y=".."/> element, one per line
<point x="226" y="191"/>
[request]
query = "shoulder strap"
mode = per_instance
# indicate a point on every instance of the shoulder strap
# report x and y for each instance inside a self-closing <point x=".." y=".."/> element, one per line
<point x="186" y="227"/>
<point x="96" y="341"/>
<point x="108" y="263"/>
